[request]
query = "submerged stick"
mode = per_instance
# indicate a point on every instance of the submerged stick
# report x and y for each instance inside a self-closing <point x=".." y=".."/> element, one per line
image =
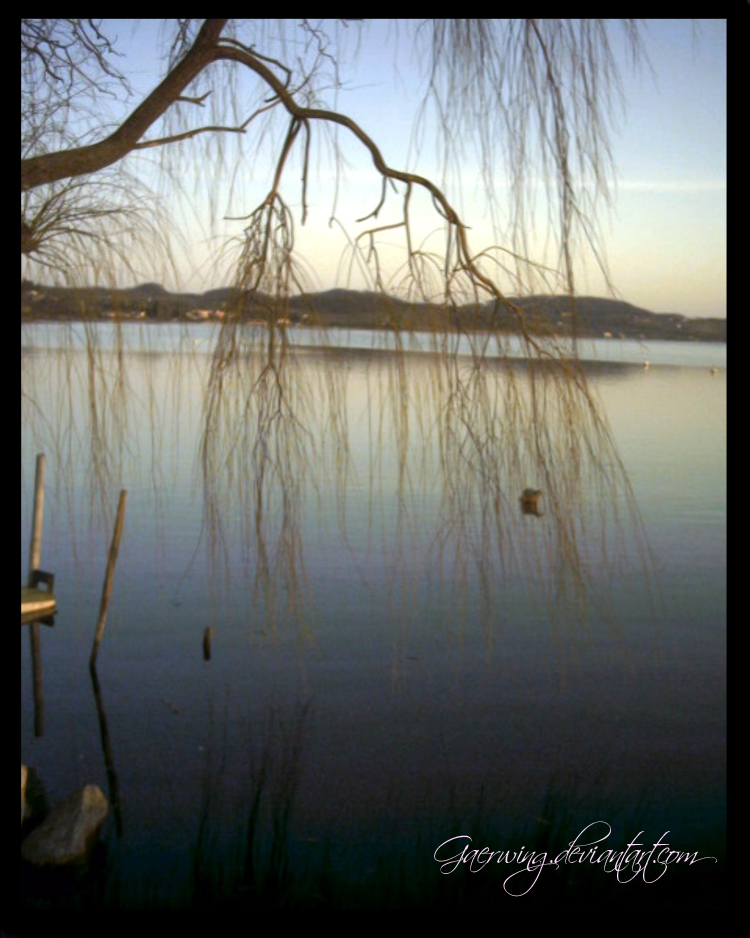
<point x="109" y="762"/>
<point x="207" y="643"/>
<point x="108" y="578"/>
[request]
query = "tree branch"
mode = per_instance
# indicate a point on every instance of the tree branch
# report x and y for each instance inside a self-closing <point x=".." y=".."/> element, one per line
<point x="162" y="141"/>
<point x="51" y="167"/>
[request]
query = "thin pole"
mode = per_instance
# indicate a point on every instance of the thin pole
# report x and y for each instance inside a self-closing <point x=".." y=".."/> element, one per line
<point x="35" y="554"/>
<point x="109" y="576"/>
<point x="35" y="549"/>
<point x="36" y="678"/>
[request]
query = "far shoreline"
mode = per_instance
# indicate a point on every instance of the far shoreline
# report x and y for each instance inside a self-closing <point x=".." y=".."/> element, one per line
<point x="545" y="316"/>
<point x="411" y="329"/>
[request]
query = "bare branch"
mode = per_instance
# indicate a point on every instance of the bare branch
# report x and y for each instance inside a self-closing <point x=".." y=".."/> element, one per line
<point x="200" y="100"/>
<point x="187" y="135"/>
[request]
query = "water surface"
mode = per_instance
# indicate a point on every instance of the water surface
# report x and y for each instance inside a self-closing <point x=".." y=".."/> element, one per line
<point x="417" y="697"/>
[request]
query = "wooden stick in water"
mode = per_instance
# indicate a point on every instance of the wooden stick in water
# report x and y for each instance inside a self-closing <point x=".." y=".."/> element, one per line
<point x="35" y="554"/>
<point x="109" y="576"/>
<point x="35" y="548"/>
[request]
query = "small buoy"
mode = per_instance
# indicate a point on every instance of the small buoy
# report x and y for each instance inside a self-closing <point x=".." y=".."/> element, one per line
<point x="530" y="501"/>
<point x="207" y="644"/>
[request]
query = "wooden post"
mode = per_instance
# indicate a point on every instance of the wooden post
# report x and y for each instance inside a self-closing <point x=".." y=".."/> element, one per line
<point x="107" y="590"/>
<point x="35" y="553"/>
<point x="35" y="548"/>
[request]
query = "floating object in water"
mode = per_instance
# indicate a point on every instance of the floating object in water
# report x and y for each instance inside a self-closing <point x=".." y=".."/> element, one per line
<point x="207" y="643"/>
<point x="530" y="501"/>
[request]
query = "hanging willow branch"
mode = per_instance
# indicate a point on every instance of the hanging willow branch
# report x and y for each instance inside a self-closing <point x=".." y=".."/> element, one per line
<point x="494" y="428"/>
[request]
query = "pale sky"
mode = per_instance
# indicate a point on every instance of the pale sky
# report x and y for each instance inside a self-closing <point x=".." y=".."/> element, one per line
<point x="666" y="237"/>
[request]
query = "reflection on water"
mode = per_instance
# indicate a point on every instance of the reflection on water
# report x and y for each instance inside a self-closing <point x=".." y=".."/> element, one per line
<point x="200" y="339"/>
<point x="440" y="671"/>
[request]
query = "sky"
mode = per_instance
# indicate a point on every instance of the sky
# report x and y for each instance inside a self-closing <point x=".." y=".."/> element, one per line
<point x="665" y="234"/>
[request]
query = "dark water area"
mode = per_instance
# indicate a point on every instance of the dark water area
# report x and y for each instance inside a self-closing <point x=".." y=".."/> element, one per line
<point x="323" y="755"/>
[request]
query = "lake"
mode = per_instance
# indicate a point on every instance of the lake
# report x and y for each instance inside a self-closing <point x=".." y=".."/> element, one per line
<point x="389" y="668"/>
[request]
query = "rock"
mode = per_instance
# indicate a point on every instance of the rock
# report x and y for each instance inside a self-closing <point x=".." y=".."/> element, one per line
<point x="33" y="799"/>
<point x="24" y="779"/>
<point x="69" y="832"/>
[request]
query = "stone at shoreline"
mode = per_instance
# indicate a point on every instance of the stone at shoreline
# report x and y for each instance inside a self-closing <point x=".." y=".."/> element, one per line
<point x="69" y="832"/>
<point x="34" y="805"/>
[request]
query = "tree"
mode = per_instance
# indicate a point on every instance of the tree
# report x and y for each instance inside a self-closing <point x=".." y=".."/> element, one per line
<point x="544" y="84"/>
<point x="541" y="90"/>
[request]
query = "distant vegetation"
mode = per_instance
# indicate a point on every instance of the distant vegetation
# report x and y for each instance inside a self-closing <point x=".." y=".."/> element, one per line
<point x="590" y="317"/>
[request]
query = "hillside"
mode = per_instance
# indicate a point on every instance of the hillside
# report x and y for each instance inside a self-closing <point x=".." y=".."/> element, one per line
<point x="593" y="317"/>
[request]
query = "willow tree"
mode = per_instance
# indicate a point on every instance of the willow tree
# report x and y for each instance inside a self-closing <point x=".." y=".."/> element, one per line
<point x="534" y="97"/>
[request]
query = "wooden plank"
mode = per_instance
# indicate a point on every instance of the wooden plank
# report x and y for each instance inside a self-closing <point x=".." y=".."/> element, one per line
<point x="36" y="603"/>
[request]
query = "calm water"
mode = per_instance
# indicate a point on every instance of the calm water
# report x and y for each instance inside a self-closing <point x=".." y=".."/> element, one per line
<point x="415" y="701"/>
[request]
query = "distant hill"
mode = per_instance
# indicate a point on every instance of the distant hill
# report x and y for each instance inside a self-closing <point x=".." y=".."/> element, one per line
<point x="588" y="317"/>
<point x="597" y="316"/>
<point x="148" y="289"/>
